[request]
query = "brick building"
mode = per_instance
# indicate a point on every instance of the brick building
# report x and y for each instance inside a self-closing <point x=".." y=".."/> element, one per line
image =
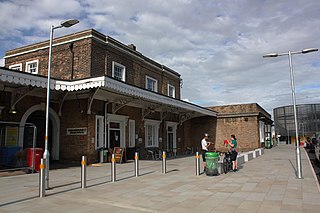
<point x="103" y="94"/>
<point x="250" y="123"/>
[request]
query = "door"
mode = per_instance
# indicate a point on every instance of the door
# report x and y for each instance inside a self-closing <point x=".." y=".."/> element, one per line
<point x="114" y="134"/>
<point x="171" y="137"/>
<point x="115" y="138"/>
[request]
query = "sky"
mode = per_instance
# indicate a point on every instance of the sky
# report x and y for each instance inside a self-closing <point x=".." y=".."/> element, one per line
<point x="216" y="46"/>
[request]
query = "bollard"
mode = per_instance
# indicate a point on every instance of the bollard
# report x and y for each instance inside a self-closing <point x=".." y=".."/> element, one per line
<point x="84" y="172"/>
<point x="164" y="166"/>
<point x="136" y="164"/>
<point x="42" y="189"/>
<point x="197" y="164"/>
<point x="113" y="169"/>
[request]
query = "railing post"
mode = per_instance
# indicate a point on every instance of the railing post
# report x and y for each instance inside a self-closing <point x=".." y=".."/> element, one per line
<point x="84" y="172"/>
<point x="164" y="162"/>
<point x="197" y="164"/>
<point x="113" y="169"/>
<point x="136" y="164"/>
<point x="42" y="188"/>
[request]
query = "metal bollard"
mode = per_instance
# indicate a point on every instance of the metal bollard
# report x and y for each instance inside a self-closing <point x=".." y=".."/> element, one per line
<point x="113" y="169"/>
<point x="197" y="164"/>
<point x="84" y="172"/>
<point x="42" y="176"/>
<point x="164" y="163"/>
<point x="136" y="164"/>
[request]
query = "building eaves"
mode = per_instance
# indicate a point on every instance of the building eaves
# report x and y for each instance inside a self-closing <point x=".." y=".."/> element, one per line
<point x="27" y="79"/>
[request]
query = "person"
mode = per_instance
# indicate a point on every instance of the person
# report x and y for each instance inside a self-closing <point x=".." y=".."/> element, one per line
<point x="234" y="153"/>
<point x="204" y="146"/>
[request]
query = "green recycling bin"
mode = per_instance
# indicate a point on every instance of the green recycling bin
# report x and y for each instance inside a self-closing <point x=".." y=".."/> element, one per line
<point x="212" y="159"/>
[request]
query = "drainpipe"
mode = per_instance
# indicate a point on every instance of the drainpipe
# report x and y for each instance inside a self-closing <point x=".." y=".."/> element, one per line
<point x="72" y="61"/>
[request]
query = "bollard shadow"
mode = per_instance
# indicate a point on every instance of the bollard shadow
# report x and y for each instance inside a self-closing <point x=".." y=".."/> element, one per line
<point x="120" y="179"/>
<point x="294" y="168"/>
<point x="17" y="201"/>
<point x="173" y="170"/>
<point x="64" y="185"/>
<point x="62" y="191"/>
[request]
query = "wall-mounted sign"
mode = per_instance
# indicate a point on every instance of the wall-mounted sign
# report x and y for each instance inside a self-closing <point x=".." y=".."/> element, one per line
<point x="77" y="131"/>
<point x="12" y="136"/>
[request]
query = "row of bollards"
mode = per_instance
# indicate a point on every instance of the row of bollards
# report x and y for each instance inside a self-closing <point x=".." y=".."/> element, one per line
<point x="42" y="187"/>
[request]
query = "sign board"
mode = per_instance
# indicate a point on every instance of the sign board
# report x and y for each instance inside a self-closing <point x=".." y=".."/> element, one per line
<point x="77" y="131"/>
<point x="12" y="136"/>
<point x="118" y="154"/>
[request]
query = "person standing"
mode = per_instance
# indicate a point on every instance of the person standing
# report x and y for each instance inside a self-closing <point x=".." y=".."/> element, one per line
<point x="234" y="153"/>
<point x="204" y="146"/>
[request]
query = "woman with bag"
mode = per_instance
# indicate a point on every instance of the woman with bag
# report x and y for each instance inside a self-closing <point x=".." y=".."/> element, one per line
<point x="234" y="152"/>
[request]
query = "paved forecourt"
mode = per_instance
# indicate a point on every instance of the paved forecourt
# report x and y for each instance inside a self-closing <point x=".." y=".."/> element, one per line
<point x="264" y="184"/>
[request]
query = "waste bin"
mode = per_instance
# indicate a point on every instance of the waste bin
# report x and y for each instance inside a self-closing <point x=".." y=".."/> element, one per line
<point x="34" y="152"/>
<point x="269" y="145"/>
<point x="212" y="159"/>
<point x="103" y="154"/>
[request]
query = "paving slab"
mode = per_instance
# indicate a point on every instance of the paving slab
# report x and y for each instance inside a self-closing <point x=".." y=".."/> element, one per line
<point x="264" y="184"/>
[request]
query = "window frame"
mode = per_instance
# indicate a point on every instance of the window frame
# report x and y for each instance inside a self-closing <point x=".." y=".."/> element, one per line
<point x="14" y="66"/>
<point x="31" y="62"/>
<point x="155" y="85"/>
<point x="132" y="133"/>
<point x="154" y="124"/>
<point x="99" y="132"/>
<point x="174" y="91"/>
<point x="123" y="77"/>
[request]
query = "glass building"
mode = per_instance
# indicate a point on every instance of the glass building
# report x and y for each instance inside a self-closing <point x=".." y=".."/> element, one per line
<point x="308" y="116"/>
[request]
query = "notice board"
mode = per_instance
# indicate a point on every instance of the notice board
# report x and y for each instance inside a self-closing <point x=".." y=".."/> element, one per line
<point x="118" y="154"/>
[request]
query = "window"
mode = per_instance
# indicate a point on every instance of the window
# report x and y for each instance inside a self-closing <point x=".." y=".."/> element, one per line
<point x="32" y="67"/>
<point x="99" y="131"/>
<point x="151" y="133"/>
<point x="118" y="71"/>
<point x="16" y="67"/>
<point x="151" y="84"/>
<point x="171" y="91"/>
<point x="132" y="132"/>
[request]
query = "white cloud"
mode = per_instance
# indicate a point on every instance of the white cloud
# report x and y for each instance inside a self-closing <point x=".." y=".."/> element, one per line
<point x="216" y="46"/>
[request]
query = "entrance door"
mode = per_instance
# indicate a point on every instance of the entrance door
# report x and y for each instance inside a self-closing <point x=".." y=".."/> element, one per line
<point x="172" y="137"/>
<point x="114" y="138"/>
<point x="115" y="134"/>
<point x="170" y="141"/>
<point x="116" y="130"/>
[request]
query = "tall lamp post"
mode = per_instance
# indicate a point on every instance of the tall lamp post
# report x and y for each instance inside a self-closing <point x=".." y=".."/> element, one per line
<point x="46" y="155"/>
<point x="289" y="54"/>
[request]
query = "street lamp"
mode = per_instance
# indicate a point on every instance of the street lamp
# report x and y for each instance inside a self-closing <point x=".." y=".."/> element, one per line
<point x="289" y="54"/>
<point x="46" y="155"/>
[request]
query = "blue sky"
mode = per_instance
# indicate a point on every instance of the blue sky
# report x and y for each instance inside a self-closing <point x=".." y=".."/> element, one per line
<point x="216" y="46"/>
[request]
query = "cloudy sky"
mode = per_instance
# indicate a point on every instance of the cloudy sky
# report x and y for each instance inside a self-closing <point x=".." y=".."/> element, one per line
<point x="216" y="46"/>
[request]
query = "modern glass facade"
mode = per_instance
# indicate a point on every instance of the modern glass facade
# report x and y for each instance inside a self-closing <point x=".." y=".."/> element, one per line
<point x="308" y="116"/>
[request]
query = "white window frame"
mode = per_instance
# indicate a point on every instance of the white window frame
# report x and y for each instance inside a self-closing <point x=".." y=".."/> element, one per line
<point x="155" y="89"/>
<point x="173" y="89"/>
<point x="123" y="77"/>
<point x="132" y="133"/>
<point x="262" y="131"/>
<point x="99" y="133"/>
<point x="155" y="124"/>
<point x="31" y="62"/>
<point x="16" y="67"/>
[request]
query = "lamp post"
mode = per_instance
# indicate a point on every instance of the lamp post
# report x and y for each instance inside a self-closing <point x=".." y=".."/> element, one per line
<point x="289" y="54"/>
<point x="46" y="155"/>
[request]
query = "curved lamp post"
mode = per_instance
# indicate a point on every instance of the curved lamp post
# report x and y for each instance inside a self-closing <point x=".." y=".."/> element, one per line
<point x="46" y="155"/>
<point x="289" y="54"/>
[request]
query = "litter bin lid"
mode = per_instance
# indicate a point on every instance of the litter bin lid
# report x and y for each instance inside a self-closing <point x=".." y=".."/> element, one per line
<point x="212" y="154"/>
